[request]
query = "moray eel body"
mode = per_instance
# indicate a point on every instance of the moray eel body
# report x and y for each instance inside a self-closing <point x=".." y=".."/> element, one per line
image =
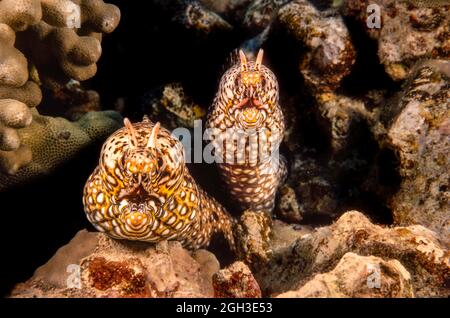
<point x="246" y="126"/>
<point x="142" y="190"/>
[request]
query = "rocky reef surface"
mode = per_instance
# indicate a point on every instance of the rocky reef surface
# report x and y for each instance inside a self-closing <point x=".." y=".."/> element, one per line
<point x="364" y="211"/>
<point x="351" y="258"/>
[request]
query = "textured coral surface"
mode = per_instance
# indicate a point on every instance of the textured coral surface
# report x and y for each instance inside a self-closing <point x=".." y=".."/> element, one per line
<point x="57" y="41"/>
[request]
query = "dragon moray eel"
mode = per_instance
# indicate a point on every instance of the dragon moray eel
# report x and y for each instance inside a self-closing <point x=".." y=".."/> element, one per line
<point x="246" y="126"/>
<point x="142" y="190"/>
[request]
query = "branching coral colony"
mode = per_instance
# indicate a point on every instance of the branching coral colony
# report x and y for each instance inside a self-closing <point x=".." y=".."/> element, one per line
<point x="44" y="44"/>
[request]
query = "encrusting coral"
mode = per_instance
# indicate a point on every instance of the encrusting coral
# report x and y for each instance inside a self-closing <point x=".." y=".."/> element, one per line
<point x="52" y="141"/>
<point x="44" y="42"/>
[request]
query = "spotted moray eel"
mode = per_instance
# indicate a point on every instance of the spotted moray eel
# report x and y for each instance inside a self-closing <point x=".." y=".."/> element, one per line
<point x="246" y="104"/>
<point x="142" y="190"/>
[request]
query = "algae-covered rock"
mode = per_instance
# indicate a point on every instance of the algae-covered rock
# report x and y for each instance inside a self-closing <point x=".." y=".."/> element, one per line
<point x="416" y="248"/>
<point x="415" y="125"/>
<point x="173" y="106"/>
<point x="406" y="32"/>
<point x="358" y="276"/>
<point x="236" y="281"/>
<point x="94" y="265"/>
<point x="252" y="236"/>
<point x="330" y="52"/>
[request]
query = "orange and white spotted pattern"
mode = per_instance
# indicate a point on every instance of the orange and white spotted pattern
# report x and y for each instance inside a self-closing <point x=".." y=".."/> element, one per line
<point x="247" y="105"/>
<point x="141" y="190"/>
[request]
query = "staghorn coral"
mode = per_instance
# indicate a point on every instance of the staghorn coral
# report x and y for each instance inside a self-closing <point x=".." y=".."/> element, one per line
<point x="52" y="142"/>
<point x="58" y="39"/>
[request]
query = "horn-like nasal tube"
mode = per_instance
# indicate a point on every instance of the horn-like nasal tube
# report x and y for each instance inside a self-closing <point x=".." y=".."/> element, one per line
<point x="259" y="59"/>
<point x="153" y="136"/>
<point x="243" y="60"/>
<point x="131" y="131"/>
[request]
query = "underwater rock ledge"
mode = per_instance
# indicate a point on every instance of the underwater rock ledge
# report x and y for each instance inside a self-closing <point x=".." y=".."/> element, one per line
<point x="336" y="260"/>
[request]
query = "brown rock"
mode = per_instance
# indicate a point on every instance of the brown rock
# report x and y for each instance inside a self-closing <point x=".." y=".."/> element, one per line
<point x="415" y="126"/>
<point x="415" y="247"/>
<point x="236" y="281"/>
<point x="93" y="265"/>
<point x="330" y="53"/>
<point x="252" y="236"/>
<point x="407" y="33"/>
<point x="358" y="276"/>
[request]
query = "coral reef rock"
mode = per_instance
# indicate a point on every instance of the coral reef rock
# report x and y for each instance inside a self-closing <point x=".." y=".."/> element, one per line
<point x="236" y="281"/>
<point x="173" y="106"/>
<point x="195" y="16"/>
<point x="415" y="248"/>
<point x="340" y="117"/>
<point x="59" y="41"/>
<point x="252" y="236"/>
<point x="225" y="6"/>
<point x="314" y="189"/>
<point x="261" y="13"/>
<point x="93" y="265"/>
<point x="415" y="125"/>
<point x="76" y="100"/>
<point x="288" y="208"/>
<point x="53" y="141"/>
<point x="406" y="32"/>
<point x="358" y="276"/>
<point x="330" y="53"/>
